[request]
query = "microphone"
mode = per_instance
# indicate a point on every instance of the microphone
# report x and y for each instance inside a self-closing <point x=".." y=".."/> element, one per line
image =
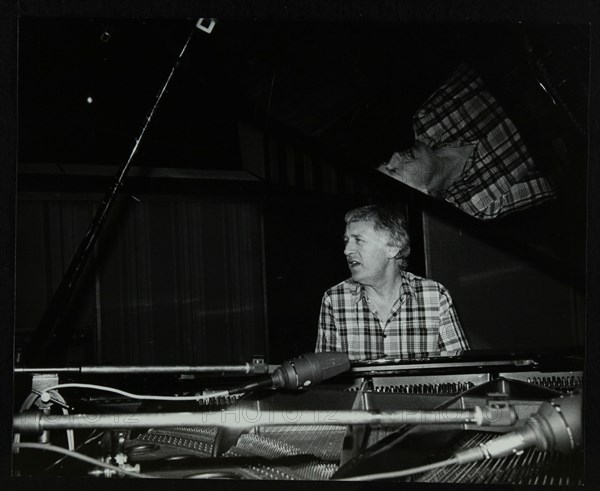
<point x="556" y="426"/>
<point x="302" y="371"/>
<point x="309" y="369"/>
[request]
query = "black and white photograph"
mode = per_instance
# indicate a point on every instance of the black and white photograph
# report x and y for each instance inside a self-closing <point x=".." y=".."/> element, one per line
<point x="291" y="248"/>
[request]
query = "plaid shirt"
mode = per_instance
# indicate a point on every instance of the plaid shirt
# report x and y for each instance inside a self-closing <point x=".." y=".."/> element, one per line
<point x="500" y="176"/>
<point x="422" y="322"/>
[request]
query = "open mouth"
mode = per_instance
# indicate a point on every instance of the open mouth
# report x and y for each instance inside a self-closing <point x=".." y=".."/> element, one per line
<point x="353" y="264"/>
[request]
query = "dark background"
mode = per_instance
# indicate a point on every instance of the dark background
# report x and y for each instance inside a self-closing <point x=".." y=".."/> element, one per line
<point x="228" y="229"/>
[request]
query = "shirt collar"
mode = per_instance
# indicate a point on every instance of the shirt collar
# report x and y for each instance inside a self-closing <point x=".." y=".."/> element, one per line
<point x="358" y="291"/>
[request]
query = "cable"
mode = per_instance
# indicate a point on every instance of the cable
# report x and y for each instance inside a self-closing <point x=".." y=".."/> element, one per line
<point x="197" y="397"/>
<point x="31" y="398"/>
<point x="402" y="473"/>
<point x="70" y="433"/>
<point x="89" y="440"/>
<point x="77" y="455"/>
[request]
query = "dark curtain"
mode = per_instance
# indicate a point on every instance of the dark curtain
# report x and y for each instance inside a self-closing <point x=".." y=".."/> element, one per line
<point x="171" y="280"/>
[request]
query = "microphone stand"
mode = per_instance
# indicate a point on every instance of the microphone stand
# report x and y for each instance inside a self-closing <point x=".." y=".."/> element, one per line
<point x="245" y="369"/>
<point x="248" y="417"/>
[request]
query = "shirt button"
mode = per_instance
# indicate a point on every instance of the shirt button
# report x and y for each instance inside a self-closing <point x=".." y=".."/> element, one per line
<point x="384" y="335"/>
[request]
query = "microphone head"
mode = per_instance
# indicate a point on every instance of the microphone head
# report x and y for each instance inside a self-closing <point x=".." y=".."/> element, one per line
<point x="561" y="423"/>
<point x="309" y="369"/>
<point x="555" y="426"/>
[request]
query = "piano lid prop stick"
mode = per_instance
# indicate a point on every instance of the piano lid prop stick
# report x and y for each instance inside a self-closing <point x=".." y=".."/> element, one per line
<point x="54" y="314"/>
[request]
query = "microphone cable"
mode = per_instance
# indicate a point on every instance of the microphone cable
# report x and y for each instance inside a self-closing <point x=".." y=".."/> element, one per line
<point x="144" y="397"/>
<point x="402" y="473"/>
<point x="76" y="455"/>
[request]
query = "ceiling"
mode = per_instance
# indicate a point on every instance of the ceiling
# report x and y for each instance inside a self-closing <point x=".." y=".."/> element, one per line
<point x="87" y="86"/>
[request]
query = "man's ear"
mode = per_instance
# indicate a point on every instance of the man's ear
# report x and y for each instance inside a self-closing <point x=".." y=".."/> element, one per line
<point x="392" y="251"/>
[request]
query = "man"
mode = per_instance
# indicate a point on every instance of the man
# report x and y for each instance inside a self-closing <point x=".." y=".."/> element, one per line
<point x="383" y="311"/>
<point x="469" y="153"/>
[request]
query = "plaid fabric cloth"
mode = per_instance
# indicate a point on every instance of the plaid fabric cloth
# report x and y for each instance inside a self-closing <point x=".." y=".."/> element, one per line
<point x="500" y="176"/>
<point x="423" y="322"/>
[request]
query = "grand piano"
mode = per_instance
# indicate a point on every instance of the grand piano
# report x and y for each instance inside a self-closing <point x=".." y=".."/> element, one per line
<point x="137" y="346"/>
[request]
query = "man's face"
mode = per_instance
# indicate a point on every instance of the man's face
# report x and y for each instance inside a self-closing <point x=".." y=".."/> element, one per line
<point x="414" y="167"/>
<point x="367" y="252"/>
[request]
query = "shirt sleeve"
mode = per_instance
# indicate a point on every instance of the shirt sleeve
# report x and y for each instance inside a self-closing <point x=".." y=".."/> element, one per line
<point x="327" y="335"/>
<point x="451" y="335"/>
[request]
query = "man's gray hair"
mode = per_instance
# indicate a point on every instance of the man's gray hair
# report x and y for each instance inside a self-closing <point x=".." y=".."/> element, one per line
<point x="385" y="219"/>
